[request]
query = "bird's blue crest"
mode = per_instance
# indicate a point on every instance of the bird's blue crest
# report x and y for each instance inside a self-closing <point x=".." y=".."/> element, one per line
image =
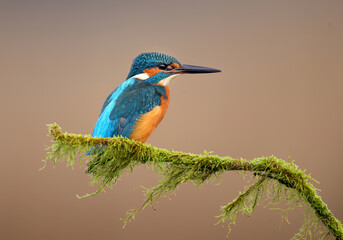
<point x="149" y="60"/>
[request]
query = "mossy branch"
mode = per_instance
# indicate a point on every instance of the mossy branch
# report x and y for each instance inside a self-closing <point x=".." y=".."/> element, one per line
<point x="275" y="179"/>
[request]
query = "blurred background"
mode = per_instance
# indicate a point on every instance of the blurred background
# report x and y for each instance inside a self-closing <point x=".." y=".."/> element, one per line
<point x="280" y="93"/>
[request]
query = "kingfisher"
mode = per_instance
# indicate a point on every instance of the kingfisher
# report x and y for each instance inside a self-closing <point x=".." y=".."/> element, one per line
<point x="136" y="107"/>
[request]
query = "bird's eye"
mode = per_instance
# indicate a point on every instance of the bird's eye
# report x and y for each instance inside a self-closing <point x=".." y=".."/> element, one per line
<point x="162" y="66"/>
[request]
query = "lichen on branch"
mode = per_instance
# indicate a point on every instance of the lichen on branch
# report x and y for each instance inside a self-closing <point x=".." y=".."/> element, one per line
<point x="274" y="179"/>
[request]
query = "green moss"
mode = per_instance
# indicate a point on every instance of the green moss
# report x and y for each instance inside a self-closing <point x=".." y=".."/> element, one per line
<point x="275" y="180"/>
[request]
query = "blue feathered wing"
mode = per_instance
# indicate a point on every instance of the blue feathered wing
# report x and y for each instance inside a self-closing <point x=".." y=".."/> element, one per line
<point x="125" y="105"/>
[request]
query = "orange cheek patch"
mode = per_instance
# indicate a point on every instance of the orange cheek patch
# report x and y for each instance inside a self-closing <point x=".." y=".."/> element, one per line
<point x="175" y="65"/>
<point x="151" y="71"/>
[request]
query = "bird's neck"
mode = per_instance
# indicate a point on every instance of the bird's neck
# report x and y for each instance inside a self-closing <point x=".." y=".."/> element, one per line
<point x="165" y="97"/>
<point x="167" y="92"/>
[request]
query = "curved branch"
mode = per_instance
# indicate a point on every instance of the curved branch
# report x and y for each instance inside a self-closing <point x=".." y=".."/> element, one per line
<point x="118" y="154"/>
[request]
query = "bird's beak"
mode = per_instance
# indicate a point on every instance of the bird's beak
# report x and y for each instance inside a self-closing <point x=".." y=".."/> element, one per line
<point x="184" y="68"/>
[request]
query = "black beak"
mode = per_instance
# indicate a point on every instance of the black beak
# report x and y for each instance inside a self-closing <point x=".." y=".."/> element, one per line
<point x="194" y="69"/>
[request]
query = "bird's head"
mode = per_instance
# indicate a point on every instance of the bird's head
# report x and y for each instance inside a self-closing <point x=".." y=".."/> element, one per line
<point x="158" y="68"/>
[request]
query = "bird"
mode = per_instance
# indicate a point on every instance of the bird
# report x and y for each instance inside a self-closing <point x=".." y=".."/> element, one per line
<point x="137" y="106"/>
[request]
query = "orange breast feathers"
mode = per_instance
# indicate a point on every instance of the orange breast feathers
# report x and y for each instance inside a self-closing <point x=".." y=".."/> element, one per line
<point x="147" y="123"/>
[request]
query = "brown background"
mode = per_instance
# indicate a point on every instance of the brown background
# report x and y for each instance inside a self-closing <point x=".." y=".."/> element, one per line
<point x="280" y="93"/>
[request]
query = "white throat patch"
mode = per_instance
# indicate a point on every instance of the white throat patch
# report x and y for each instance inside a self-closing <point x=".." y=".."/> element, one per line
<point x="166" y="81"/>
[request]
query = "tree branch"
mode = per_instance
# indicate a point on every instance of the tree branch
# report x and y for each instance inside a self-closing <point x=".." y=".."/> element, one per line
<point x="111" y="156"/>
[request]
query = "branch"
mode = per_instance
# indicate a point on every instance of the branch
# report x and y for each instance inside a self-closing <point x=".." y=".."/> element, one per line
<point x="278" y="179"/>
